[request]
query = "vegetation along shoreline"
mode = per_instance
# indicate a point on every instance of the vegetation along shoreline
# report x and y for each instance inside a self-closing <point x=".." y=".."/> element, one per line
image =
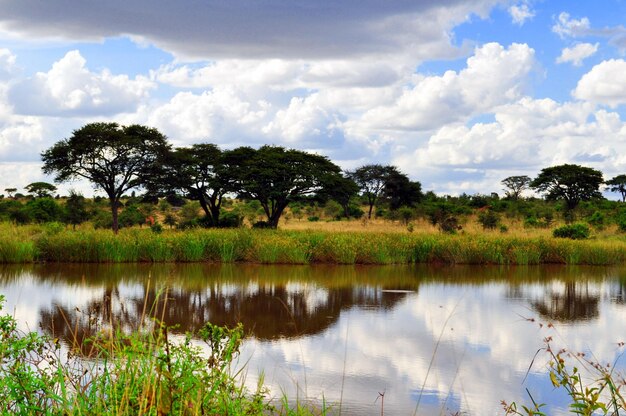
<point x="57" y="244"/>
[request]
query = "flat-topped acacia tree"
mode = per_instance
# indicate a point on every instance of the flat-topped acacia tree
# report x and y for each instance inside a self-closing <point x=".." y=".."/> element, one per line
<point x="113" y="158"/>
<point x="276" y="176"/>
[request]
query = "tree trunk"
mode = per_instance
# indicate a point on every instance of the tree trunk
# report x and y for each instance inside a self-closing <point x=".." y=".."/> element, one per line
<point x="114" y="209"/>
<point x="275" y="216"/>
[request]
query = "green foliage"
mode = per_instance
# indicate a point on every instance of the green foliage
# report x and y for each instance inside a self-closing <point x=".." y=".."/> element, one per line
<point x="114" y="158"/>
<point x="43" y="210"/>
<point x="130" y="216"/>
<point x="571" y="183"/>
<point x="597" y="220"/>
<point x="372" y="181"/>
<point x="618" y="184"/>
<point x="515" y="185"/>
<point x="276" y="176"/>
<point x="313" y="218"/>
<point x="592" y="388"/>
<point x="145" y="373"/>
<point x="572" y="231"/>
<point x="488" y="219"/>
<point x="41" y="189"/>
<point x="75" y="209"/>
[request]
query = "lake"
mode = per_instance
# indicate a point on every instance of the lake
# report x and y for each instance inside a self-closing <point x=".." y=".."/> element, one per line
<point x="414" y="339"/>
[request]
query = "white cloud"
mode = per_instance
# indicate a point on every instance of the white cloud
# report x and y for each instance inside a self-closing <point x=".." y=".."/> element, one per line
<point x="566" y="26"/>
<point x="577" y="54"/>
<point x="520" y="13"/>
<point x="604" y="84"/>
<point x="70" y="89"/>
<point x="7" y="64"/>
<point x="494" y="75"/>
<point x="525" y="137"/>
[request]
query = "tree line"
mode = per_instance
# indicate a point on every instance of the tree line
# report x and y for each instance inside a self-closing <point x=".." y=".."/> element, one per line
<point x="117" y="159"/>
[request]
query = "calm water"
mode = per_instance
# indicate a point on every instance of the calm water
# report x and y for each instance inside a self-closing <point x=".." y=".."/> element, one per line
<point x="456" y="339"/>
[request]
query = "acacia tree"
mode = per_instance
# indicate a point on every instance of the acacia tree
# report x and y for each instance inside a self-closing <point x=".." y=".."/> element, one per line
<point x="41" y="189"/>
<point x="571" y="183"/>
<point x="400" y="191"/>
<point x="372" y="180"/>
<point x="276" y="176"/>
<point x="618" y="184"/>
<point x="114" y="158"/>
<point x="341" y="189"/>
<point x="10" y="191"/>
<point x="515" y="185"/>
<point x="196" y="172"/>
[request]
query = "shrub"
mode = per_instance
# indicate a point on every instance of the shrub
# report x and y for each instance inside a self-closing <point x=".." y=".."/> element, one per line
<point x="573" y="231"/>
<point x="230" y="219"/>
<point x="597" y="220"/>
<point x="314" y="218"/>
<point x="621" y="221"/>
<point x="488" y="219"/>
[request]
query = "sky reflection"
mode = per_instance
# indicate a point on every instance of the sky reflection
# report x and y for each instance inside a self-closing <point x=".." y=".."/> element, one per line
<point x="454" y="339"/>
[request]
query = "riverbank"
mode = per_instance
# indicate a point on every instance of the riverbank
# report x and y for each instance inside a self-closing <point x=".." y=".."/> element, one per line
<point x="57" y="244"/>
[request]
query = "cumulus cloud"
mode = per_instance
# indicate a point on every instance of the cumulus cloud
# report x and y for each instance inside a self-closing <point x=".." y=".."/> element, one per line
<point x="70" y="88"/>
<point x="604" y="84"/>
<point x="520" y="13"/>
<point x="7" y="64"/>
<point x="566" y="26"/>
<point x="280" y="28"/>
<point x="494" y="75"/>
<point x="577" y="54"/>
<point x="525" y="137"/>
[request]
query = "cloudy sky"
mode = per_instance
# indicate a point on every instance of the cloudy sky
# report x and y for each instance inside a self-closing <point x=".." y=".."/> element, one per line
<point x="457" y="93"/>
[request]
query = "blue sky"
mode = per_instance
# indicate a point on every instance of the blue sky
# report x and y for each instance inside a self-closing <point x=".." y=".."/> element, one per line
<point x="459" y="94"/>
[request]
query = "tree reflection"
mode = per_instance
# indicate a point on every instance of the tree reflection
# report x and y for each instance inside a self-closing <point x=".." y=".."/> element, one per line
<point x="572" y="302"/>
<point x="267" y="312"/>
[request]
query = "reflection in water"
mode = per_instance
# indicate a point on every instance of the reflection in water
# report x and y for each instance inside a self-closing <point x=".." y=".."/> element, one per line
<point x="306" y="324"/>
<point x="571" y="302"/>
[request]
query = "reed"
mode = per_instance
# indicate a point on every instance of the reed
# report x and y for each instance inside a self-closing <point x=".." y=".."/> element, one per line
<point x="54" y="244"/>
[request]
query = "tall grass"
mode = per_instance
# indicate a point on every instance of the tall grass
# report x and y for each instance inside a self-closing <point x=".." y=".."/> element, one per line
<point x="54" y="244"/>
<point x="144" y="372"/>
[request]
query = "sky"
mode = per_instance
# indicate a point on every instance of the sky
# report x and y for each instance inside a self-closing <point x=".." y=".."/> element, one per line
<point x="459" y="94"/>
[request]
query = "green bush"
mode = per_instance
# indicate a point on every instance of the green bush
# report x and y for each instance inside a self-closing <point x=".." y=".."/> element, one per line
<point x="314" y="218"/>
<point x="488" y="219"/>
<point x="597" y="220"/>
<point x="573" y="231"/>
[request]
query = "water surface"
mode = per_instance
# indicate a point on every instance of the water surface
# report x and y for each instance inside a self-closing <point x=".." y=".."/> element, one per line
<point x="437" y="339"/>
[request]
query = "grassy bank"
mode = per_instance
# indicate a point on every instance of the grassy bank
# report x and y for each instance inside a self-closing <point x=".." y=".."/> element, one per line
<point x="145" y="372"/>
<point x="57" y="244"/>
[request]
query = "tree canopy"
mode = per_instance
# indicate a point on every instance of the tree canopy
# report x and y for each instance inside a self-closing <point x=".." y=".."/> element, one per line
<point x="372" y="180"/>
<point x="197" y="173"/>
<point x="515" y="185"/>
<point x="276" y="176"/>
<point x="571" y="183"/>
<point x="113" y="158"/>
<point x="41" y="189"/>
<point x="618" y="184"/>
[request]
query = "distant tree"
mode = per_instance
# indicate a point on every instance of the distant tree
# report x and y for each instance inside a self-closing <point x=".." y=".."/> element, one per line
<point x="372" y="180"/>
<point x="515" y="185"/>
<point x="616" y="184"/>
<point x="41" y="189"/>
<point x="276" y="176"/>
<point x="401" y="192"/>
<point x="196" y="173"/>
<point x="342" y="189"/>
<point x="114" y="158"/>
<point x="75" y="209"/>
<point x="570" y="183"/>
<point x="10" y="191"/>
